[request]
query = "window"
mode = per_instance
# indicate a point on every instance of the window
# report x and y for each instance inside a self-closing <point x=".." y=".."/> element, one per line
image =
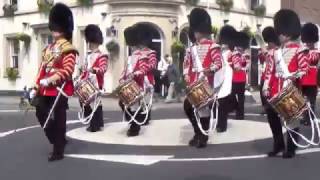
<point x="14" y="53"/>
<point x="46" y="40"/>
<point x="255" y="3"/>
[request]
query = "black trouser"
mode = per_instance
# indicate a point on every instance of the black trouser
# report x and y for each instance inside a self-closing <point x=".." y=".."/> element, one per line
<point x="311" y="93"/>
<point x="139" y="117"/>
<point x="276" y="129"/>
<point x="56" y="127"/>
<point x="238" y="90"/>
<point x="262" y="97"/>
<point x="223" y="112"/>
<point x="189" y="110"/>
<point x="97" y="119"/>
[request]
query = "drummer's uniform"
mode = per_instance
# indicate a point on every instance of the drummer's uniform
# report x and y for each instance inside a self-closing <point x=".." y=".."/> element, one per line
<point x="144" y="61"/>
<point x="210" y="56"/>
<point x="238" y="63"/>
<point x="296" y="60"/>
<point x="63" y="66"/>
<point x="98" y="62"/>
<point x="309" y="81"/>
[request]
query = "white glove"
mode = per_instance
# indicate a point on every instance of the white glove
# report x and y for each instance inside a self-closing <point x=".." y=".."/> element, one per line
<point x="32" y="93"/>
<point x="137" y="73"/>
<point x="44" y="82"/>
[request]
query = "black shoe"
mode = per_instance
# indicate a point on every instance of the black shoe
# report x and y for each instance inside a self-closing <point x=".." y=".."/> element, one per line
<point x="133" y="130"/>
<point x="221" y="130"/>
<point x="202" y="141"/>
<point x="193" y="141"/>
<point x="55" y="157"/>
<point x="288" y="154"/>
<point x="274" y="153"/>
<point x="91" y="129"/>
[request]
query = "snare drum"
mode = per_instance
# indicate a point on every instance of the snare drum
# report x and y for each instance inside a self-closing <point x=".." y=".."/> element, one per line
<point x="289" y="103"/>
<point x="129" y="92"/>
<point x="200" y="94"/>
<point x="86" y="91"/>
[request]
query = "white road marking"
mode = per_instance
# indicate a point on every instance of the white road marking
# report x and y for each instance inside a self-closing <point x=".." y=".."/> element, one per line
<point x="128" y="159"/>
<point x="172" y="132"/>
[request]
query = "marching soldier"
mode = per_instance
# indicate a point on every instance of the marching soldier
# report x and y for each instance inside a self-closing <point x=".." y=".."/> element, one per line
<point x="209" y="55"/>
<point x="139" y="67"/>
<point x="57" y="66"/>
<point x="287" y="27"/>
<point x="94" y="68"/>
<point x="226" y="40"/>
<point x="238" y="62"/>
<point x="309" y="36"/>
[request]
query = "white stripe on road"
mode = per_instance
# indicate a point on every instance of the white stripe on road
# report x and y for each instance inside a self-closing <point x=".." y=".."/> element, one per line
<point x="304" y="151"/>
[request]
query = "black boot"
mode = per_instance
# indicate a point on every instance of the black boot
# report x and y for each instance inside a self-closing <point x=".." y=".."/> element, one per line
<point x="291" y="147"/>
<point x="194" y="140"/>
<point x="57" y="153"/>
<point x="93" y="129"/>
<point x="202" y="141"/>
<point x="133" y="130"/>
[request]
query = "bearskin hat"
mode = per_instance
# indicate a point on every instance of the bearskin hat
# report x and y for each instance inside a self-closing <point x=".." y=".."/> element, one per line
<point x="191" y="35"/>
<point x="93" y="34"/>
<point x="61" y="20"/>
<point x="287" y="22"/>
<point x="269" y="35"/>
<point x="242" y="40"/>
<point x="144" y="36"/>
<point x="309" y="33"/>
<point x="227" y="35"/>
<point x="200" y="21"/>
<point x="130" y="35"/>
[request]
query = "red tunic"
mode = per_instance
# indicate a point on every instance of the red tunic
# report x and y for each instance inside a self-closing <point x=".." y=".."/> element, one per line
<point x="63" y="66"/>
<point x="143" y="61"/>
<point x="310" y="79"/>
<point x="99" y="64"/>
<point x="209" y="54"/>
<point x="238" y="63"/>
<point x="294" y="57"/>
<point x="262" y="55"/>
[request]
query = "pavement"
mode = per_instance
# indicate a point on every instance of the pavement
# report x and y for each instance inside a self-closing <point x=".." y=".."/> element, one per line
<point x="160" y="152"/>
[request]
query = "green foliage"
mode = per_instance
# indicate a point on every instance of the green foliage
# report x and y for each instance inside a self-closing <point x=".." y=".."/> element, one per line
<point x="12" y="73"/>
<point x="86" y="3"/>
<point x="225" y="5"/>
<point x="24" y="38"/>
<point x="177" y="47"/>
<point x="44" y="6"/>
<point x="260" y="10"/>
<point x="215" y="30"/>
<point x="192" y="2"/>
<point x="248" y="31"/>
<point x="113" y="47"/>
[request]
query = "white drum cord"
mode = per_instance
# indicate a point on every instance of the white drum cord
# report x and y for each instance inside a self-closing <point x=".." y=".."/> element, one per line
<point x="143" y="104"/>
<point x="95" y="105"/>
<point x="314" y="128"/>
<point x="212" y="121"/>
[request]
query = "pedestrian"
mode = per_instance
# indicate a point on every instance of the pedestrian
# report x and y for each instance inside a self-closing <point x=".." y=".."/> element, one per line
<point x="173" y="78"/>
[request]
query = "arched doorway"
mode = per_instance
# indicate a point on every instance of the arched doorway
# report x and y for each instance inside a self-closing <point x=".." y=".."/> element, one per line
<point x="157" y="39"/>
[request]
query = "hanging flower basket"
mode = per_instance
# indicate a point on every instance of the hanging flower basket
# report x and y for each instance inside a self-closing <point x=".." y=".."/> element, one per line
<point x="85" y="3"/>
<point x="260" y="10"/>
<point x="215" y="30"/>
<point x="44" y="6"/>
<point x="12" y="73"/>
<point x="225" y="5"/>
<point x="192" y="2"/>
<point x="9" y="9"/>
<point x="25" y="38"/>
<point x="113" y="47"/>
<point x="248" y="31"/>
<point x="177" y="47"/>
